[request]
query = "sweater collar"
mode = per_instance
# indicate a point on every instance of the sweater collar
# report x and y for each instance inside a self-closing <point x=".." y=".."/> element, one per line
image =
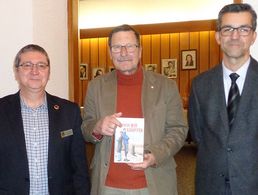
<point x="133" y="79"/>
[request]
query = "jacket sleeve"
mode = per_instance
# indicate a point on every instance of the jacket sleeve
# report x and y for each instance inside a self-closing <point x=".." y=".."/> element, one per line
<point x="169" y="122"/>
<point x="194" y="114"/>
<point x="81" y="178"/>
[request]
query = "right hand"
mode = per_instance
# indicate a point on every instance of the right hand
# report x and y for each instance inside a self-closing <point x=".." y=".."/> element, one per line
<point x="108" y="124"/>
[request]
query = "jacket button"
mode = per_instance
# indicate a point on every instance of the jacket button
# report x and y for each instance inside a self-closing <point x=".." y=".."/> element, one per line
<point x="229" y="149"/>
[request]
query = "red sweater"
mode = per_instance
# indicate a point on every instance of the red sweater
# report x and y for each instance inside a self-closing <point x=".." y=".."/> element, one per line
<point x="129" y="90"/>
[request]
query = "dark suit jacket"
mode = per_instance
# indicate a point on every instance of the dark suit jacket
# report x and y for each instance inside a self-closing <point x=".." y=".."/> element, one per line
<point x="223" y="152"/>
<point x="67" y="165"/>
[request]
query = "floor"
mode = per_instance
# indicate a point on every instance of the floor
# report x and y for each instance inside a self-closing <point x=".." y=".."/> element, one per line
<point x="186" y="162"/>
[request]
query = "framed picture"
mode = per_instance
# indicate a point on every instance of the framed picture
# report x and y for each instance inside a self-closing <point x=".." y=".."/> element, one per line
<point x="188" y="59"/>
<point x="169" y="68"/>
<point x="111" y="68"/>
<point x="151" y="67"/>
<point x="97" y="72"/>
<point x="83" y="72"/>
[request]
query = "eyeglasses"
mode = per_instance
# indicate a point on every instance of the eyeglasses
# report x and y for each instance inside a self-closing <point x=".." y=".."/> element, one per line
<point x="229" y="30"/>
<point x="29" y="66"/>
<point x="129" y="48"/>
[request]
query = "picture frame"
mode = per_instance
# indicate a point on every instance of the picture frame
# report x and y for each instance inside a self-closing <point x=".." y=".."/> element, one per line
<point x="151" y="67"/>
<point x="169" y="68"/>
<point x="83" y="71"/>
<point x="189" y="59"/>
<point x="111" y="68"/>
<point x="98" y="71"/>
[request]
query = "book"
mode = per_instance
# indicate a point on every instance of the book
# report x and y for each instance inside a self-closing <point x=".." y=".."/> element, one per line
<point x="129" y="141"/>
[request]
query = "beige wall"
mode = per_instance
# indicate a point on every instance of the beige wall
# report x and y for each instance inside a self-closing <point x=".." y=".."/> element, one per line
<point x="39" y="22"/>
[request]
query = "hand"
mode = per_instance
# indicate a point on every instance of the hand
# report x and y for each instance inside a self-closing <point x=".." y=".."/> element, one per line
<point x="108" y="124"/>
<point x="149" y="160"/>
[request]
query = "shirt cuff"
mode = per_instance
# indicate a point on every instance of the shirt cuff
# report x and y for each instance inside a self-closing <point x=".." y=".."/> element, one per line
<point x="97" y="136"/>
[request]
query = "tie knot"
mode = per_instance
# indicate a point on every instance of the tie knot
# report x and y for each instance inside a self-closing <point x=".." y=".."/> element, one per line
<point x="234" y="77"/>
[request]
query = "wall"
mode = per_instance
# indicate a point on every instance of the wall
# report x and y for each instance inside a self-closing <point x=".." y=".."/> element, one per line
<point x="39" y="22"/>
<point x="94" y="52"/>
<point x="254" y="48"/>
<point x="132" y="12"/>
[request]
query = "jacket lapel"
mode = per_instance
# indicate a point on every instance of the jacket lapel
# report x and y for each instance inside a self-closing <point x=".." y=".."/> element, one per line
<point x="249" y="95"/>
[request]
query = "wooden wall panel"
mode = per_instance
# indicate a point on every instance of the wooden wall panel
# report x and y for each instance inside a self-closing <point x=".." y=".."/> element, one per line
<point x="146" y="49"/>
<point x="184" y="74"/>
<point x="214" y="50"/>
<point x="95" y="52"/>
<point x="102" y="53"/>
<point x="155" y="49"/>
<point x="175" y="51"/>
<point x="164" y="43"/>
<point x="204" y="51"/>
<point x="194" y="44"/>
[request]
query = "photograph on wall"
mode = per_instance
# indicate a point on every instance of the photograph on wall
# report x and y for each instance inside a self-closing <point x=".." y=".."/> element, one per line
<point x="169" y="68"/>
<point x="188" y="59"/>
<point x="83" y="71"/>
<point x="97" y="72"/>
<point x="151" y="67"/>
<point x="111" y="68"/>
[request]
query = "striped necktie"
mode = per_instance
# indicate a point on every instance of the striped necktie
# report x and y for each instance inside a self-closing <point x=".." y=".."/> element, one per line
<point x="233" y="99"/>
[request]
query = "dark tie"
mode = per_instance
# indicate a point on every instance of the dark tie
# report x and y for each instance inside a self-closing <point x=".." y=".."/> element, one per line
<point x="233" y="99"/>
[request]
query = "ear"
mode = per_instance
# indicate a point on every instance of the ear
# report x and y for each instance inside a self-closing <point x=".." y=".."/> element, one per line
<point x="140" y="52"/>
<point x="110" y="54"/>
<point x="254" y="37"/>
<point x="15" y="71"/>
<point x="217" y="37"/>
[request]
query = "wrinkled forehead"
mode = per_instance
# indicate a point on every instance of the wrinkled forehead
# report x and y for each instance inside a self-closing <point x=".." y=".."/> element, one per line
<point x="124" y="37"/>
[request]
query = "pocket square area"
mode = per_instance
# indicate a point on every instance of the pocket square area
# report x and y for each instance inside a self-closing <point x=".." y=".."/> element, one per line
<point x="66" y="133"/>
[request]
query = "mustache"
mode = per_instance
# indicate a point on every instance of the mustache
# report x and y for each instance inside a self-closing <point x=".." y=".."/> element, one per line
<point x="122" y="59"/>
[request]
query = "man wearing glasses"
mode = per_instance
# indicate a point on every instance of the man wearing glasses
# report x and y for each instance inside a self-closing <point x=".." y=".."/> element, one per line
<point x="223" y="114"/>
<point x="132" y="92"/>
<point x="42" y="150"/>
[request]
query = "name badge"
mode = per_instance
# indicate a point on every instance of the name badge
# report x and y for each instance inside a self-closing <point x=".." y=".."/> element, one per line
<point x="66" y="133"/>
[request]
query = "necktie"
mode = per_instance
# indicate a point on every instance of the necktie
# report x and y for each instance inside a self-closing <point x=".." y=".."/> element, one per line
<point x="233" y="99"/>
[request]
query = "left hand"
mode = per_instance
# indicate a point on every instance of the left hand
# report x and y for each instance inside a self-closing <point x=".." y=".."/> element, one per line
<point x="149" y="160"/>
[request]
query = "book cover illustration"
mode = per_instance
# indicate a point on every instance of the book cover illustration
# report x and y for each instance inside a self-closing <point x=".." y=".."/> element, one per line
<point x="129" y="141"/>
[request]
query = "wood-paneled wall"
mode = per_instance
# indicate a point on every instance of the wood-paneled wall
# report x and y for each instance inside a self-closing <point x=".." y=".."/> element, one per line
<point x="94" y="52"/>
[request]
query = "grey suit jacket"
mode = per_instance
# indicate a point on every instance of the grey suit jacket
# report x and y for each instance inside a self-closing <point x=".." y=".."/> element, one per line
<point x="223" y="153"/>
<point x="165" y="128"/>
<point x="67" y="165"/>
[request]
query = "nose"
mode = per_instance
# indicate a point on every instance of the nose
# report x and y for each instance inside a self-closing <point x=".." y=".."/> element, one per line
<point x="123" y="51"/>
<point x="34" y="68"/>
<point x="235" y="33"/>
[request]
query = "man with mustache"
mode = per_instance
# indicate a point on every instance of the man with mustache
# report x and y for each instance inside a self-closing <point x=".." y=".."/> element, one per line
<point x="130" y="91"/>
<point x="223" y="110"/>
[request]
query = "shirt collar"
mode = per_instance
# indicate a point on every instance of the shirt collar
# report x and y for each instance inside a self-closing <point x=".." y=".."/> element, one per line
<point x="241" y="71"/>
<point x="42" y="106"/>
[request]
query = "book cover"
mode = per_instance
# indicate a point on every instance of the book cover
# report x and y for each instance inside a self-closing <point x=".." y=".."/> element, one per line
<point x="129" y="141"/>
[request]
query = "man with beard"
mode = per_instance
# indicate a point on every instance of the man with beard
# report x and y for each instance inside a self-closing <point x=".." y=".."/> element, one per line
<point x="223" y="110"/>
<point x="129" y="91"/>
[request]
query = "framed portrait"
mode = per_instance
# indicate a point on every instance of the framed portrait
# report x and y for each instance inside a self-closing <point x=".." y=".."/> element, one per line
<point x="151" y="67"/>
<point x="189" y="59"/>
<point x="111" y="68"/>
<point x="97" y="72"/>
<point x="83" y="71"/>
<point x="169" y="68"/>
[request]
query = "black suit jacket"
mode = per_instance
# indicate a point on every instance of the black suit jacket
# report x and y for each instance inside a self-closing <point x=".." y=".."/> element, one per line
<point x="67" y="165"/>
<point x="223" y="153"/>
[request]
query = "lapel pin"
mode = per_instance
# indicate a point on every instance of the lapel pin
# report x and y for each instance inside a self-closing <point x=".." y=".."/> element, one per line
<point x="56" y="107"/>
<point x="152" y="86"/>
